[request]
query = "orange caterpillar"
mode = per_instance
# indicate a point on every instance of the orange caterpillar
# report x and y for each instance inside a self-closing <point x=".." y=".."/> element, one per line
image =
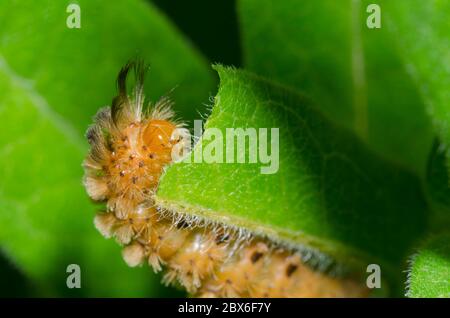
<point x="129" y="148"/>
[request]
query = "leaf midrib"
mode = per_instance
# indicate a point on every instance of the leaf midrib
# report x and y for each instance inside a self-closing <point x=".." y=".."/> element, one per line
<point x="43" y="107"/>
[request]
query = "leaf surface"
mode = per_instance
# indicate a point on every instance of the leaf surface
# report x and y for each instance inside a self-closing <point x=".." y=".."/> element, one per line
<point x="355" y="74"/>
<point x="429" y="274"/>
<point x="330" y="193"/>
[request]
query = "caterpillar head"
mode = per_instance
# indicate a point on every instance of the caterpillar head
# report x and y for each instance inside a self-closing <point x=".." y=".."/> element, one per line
<point x="130" y="146"/>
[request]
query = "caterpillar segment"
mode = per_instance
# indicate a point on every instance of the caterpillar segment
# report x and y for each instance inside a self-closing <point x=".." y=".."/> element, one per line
<point x="130" y="146"/>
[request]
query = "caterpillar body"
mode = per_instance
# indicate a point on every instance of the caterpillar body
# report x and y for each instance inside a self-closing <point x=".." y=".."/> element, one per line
<point x="130" y="146"/>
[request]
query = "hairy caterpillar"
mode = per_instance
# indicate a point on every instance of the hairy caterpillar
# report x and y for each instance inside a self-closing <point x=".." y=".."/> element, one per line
<point x="130" y="146"/>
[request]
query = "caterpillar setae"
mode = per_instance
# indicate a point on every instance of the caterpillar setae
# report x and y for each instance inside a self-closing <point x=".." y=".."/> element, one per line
<point x="130" y="146"/>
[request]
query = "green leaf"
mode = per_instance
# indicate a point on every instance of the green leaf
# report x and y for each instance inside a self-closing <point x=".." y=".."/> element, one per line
<point x="53" y="80"/>
<point x="355" y="74"/>
<point x="422" y="29"/>
<point x="423" y="32"/>
<point x="429" y="275"/>
<point x="331" y="194"/>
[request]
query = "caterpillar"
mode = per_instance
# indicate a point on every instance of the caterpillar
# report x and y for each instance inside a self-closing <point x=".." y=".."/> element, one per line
<point x="129" y="147"/>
